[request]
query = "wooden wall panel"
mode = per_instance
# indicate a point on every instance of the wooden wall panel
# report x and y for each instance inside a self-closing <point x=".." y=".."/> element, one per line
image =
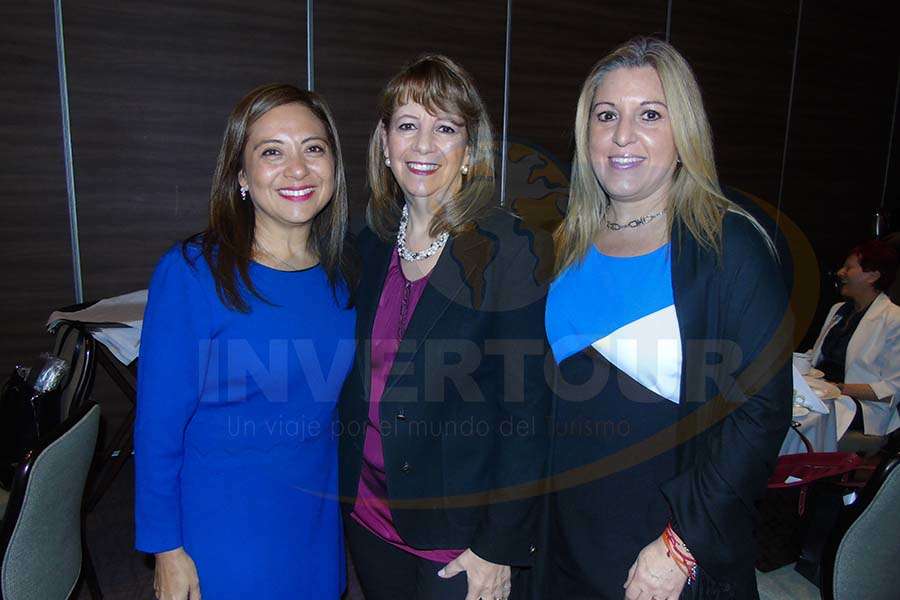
<point x="840" y="126"/>
<point x="34" y="230"/>
<point x="151" y="85"/>
<point x="742" y="54"/>
<point x="359" y="45"/>
<point x="553" y="48"/>
<point x="552" y="51"/>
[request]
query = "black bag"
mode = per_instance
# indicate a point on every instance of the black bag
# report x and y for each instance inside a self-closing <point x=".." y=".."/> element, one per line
<point x="778" y="531"/>
<point x="25" y="416"/>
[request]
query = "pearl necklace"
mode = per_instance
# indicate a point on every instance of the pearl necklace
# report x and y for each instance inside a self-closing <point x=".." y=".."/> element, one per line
<point x="410" y="255"/>
<point x="634" y="222"/>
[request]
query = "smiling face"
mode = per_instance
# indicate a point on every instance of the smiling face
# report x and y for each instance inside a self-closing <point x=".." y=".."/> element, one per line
<point x="854" y="281"/>
<point x="632" y="149"/>
<point x="427" y="152"/>
<point x="288" y="167"/>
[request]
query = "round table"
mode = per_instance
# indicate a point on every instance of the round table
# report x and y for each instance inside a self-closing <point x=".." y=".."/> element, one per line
<point x="822" y="430"/>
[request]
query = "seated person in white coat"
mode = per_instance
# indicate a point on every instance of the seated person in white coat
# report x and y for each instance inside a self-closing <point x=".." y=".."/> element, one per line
<point x="859" y="346"/>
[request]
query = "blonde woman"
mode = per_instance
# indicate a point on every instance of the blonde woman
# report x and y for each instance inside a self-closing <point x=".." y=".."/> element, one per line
<point x="446" y="407"/>
<point x="667" y="321"/>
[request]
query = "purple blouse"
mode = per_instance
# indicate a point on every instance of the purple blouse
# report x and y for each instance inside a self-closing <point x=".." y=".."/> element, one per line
<point x="395" y="308"/>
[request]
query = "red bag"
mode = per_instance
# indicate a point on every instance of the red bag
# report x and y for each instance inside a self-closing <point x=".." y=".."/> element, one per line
<point x="778" y="531"/>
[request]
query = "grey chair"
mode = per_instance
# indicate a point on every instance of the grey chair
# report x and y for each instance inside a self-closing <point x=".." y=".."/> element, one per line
<point x="859" y="442"/>
<point x="860" y="556"/>
<point x="41" y="532"/>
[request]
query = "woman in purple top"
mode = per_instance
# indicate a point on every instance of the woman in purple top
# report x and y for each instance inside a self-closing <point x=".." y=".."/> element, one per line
<point x="444" y="411"/>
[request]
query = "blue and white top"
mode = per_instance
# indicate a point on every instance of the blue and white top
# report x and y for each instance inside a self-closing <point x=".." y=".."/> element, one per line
<point x="625" y="308"/>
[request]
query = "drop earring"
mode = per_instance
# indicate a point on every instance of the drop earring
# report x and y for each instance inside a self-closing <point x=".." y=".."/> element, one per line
<point x="244" y="194"/>
<point x="465" y="169"/>
<point x="387" y="161"/>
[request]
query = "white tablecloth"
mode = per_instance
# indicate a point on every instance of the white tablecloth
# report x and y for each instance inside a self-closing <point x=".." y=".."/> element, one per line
<point x="115" y="322"/>
<point x="823" y="430"/>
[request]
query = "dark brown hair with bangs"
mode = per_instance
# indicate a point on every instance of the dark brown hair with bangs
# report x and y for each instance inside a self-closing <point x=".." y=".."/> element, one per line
<point x="440" y="85"/>
<point x="227" y="242"/>
<point x="876" y="255"/>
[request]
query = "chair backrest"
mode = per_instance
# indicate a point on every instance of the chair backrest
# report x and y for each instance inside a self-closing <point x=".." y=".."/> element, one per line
<point x="40" y="538"/>
<point x="861" y="556"/>
<point x="74" y="344"/>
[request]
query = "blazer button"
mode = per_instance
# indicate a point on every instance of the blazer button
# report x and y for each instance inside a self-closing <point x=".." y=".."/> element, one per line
<point x="401" y="416"/>
<point x="405" y="467"/>
<point x="531" y="550"/>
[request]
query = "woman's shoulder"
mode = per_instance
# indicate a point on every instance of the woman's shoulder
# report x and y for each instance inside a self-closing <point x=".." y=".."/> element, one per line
<point x="366" y="241"/>
<point x="183" y="260"/>
<point x="499" y="222"/>
<point x="891" y="310"/>
<point x="746" y="244"/>
<point x="742" y="232"/>
<point x="516" y="236"/>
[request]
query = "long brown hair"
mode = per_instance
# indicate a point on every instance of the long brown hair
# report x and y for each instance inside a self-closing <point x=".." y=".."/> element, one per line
<point x="696" y="199"/>
<point x="227" y="242"/>
<point x="439" y="84"/>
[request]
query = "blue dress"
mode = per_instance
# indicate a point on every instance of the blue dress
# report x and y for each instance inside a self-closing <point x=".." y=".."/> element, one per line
<point x="235" y="439"/>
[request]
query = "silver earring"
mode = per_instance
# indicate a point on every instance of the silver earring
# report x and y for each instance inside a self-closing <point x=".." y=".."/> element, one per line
<point x="387" y="161"/>
<point x="465" y="169"/>
<point x="244" y="194"/>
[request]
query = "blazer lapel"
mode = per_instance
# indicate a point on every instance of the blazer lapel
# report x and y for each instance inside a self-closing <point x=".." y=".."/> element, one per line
<point x="368" y="308"/>
<point x="690" y="287"/>
<point x="831" y="319"/>
<point x="691" y="307"/>
<point x="865" y="331"/>
<point x="458" y="276"/>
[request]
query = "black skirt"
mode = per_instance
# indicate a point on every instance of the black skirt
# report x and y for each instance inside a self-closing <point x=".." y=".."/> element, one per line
<point x="613" y="445"/>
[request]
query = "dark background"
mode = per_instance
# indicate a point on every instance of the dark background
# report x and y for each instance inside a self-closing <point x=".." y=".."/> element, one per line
<point x="801" y="99"/>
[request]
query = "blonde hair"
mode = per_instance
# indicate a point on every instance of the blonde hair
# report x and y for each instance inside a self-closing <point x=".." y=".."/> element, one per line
<point x="696" y="199"/>
<point x="440" y="85"/>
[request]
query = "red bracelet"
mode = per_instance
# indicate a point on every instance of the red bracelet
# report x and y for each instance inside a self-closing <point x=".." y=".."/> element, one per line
<point x="682" y="558"/>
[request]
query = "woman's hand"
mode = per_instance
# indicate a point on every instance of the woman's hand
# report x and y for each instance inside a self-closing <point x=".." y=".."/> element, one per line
<point x="487" y="580"/>
<point x="175" y="577"/>
<point x="654" y="575"/>
<point x="860" y="391"/>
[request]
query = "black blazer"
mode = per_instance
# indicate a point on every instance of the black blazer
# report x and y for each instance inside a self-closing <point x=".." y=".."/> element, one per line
<point x="736" y="331"/>
<point x="464" y="412"/>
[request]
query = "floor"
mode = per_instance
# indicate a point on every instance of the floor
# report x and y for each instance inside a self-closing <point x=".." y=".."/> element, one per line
<point x="123" y="573"/>
<point x="785" y="584"/>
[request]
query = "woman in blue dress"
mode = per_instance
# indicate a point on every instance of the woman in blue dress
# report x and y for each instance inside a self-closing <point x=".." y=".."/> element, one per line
<point x="247" y="337"/>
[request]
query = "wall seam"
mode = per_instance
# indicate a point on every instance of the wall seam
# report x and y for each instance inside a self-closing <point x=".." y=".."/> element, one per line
<point x="887" y="164"/>
<point x="669" y="21"/>
<point x="790" y="106"/>
<point x="310" y="63"/>
<point x="71" y="200"/>
<point x="505" y="133"/>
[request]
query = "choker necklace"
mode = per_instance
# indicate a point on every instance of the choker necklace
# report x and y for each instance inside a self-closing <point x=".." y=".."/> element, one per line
<point x="634" y="222"/>
<point x="411" y="255"/>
